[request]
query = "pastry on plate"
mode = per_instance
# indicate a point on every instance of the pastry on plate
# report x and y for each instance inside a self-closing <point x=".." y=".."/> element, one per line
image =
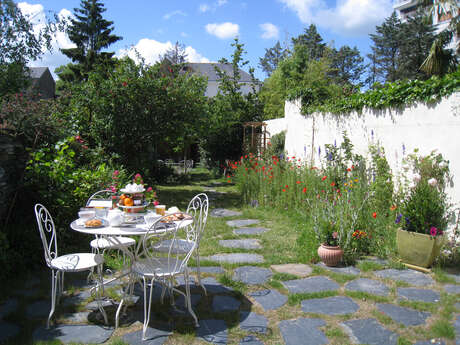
<point x="93" y="223"/>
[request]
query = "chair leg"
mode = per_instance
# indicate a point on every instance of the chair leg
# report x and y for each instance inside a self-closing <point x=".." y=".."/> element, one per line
<point x="53" y="296"/>
<point x="147" y="307"/>
<point x="188" y="297"/>
<point x="99" y="294"/>
<point x="198" y="272"/>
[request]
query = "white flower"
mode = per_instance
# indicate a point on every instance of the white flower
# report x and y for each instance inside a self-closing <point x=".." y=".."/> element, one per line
<point x="432" y="182"/>
<point x="417" y="177"/>
<point x="443" y="164"/>
<point x="412" y="185"/>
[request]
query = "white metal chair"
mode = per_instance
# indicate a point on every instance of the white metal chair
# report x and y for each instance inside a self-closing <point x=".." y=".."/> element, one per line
<point x="155" y="265"/>
<point x="66" y="263"/>
<point x="115" y="242"/>
<point x="198" y="209"/>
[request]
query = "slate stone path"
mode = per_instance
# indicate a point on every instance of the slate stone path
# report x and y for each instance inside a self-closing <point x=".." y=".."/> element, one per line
<point x="315" y="305"/>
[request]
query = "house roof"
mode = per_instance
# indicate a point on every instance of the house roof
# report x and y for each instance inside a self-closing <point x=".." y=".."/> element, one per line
<point x="37" y="72"/>
<point x="207" y="69"/>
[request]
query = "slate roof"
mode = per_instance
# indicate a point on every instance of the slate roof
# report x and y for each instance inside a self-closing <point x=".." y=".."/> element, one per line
<point x="37" y="72"/>
<point x="207" y="69"/>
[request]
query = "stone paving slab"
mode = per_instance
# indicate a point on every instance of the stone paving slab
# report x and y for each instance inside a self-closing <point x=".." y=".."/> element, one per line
<point x="300" y="270"/>
<point x="180" y="301"/>
<point x="369" y="286"/>
<point x="452" y="289"/>
<point x="269" y="299"/>
<point x="154" y="337"/>
<point x="457" y="330"/>
<point x="105" y="303"/>
<point x="80" y="317"/>
<point x="74" y="333"/>
<point x="251" y="340"/>
<point x="370" y="332"/>
<point x="419" y="295"/>
<point x="456" y="277"/>
<point x="338" y="305"/>
<point x="430" y="342"/>
<point x="252" y="322"/>
<point x="238" y="223"/>
<point x="252" y="275"/>
<point x="376" y="260"/>
<point x="303" y="331"/>
<point x="247" y="243"/>
<point x="77" y="298"/>
<point x="236" y="258"/>
<point x="8" y="307"/>
<point x="309" y="285"/>
<point x="406" y="316"/>
<point x="223" y="304"/>
<point x="457" y="305"/>
<point x="213" y="331"/>
<point x="351" y="270"/>
<point x="409" y="276"/>
<point x="214" y="287"/>
<point x="250" y="231"/>
<point x="8" y="330"/>
<point x="222" y="212"/>
<point x="39" y="309"/>
<point x="209" y="269"/>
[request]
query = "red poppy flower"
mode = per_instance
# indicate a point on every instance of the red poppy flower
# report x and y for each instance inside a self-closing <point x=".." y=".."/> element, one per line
<point x="304" y="189"/>
<point x="332" y="184"/>
<point x="298" y="182"/>
<point x="323" y="178"/>
<point x="284" y="190"/>
<point x="374" y="215"/>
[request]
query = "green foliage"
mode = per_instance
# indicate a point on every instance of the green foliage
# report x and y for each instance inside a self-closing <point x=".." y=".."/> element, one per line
<point x="91" y="33"/>
<point x="347" y="66"/>
<point x="273" y="95"/>
<point x="276" y="145"/>
<point x="273" y="56"/>
<point x="443" y="329"/>
<point x="397" y="94"/>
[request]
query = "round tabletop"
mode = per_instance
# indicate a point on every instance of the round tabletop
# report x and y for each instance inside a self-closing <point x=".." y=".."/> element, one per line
<point x="122" y="230"/>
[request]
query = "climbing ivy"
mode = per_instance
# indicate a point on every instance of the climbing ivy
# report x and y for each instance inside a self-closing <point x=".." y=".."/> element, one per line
<point x="396" y="94"/>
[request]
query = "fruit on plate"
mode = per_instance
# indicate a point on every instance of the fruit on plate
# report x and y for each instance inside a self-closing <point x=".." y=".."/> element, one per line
<point x="128" y="202"/>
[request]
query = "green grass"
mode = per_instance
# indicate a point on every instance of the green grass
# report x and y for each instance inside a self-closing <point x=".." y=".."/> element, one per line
<point x="443" y="329"/>
<point x="441" y="277"/>
<point x="368" y="266"/>
<point x="403" y="341"/>
<point x="341" y="278"/>
<point x="396" y="265"/>
<point x="227" y="281"/>
<point x="421" y="306"/>
<point x="284" y="276"/>
<point x="364" y="296"/>
<point x="294" y="299"/>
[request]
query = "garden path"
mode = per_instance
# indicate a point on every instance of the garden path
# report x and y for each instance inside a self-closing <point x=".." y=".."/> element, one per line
<point x="289" y="303"/>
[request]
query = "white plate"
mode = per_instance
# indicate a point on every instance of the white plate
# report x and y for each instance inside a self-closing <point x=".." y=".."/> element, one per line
<point x="129" y="191"/>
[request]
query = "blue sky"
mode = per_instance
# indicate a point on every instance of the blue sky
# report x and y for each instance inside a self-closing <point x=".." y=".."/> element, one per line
<point x="207" y="27"/>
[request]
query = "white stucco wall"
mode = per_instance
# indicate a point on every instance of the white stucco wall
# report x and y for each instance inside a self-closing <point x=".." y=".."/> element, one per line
<point x="399" y="131"/>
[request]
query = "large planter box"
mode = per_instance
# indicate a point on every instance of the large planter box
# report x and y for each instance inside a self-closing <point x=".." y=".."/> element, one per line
<point x="418" y="249"/>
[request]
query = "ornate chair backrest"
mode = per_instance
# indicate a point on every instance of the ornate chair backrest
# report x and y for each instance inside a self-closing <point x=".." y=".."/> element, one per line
<point x="161" y="245"/>
<point x="101" y="194"/>
<point x="47" y="233"/>
<point x="198" y="209"/>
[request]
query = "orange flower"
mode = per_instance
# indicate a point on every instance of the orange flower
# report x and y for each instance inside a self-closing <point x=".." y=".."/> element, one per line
<point x="374" y="215"/>
<point x="393" y="207"/>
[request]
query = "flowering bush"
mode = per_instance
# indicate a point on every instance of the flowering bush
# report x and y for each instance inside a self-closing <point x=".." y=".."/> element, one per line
<point x="425" y="208"/>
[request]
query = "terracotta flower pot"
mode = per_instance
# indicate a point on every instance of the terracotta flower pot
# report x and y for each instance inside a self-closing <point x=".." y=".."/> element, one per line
<point x="330" y="255"/>
<point x="418" y="249"/>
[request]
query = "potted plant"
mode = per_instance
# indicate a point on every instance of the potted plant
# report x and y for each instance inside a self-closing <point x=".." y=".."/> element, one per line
<point x="329" y="250"/>
<point x="425" y="211"/>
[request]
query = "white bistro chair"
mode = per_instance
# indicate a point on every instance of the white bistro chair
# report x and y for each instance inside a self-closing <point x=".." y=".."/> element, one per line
<point x="66" y="263"/>
<point x="113" y="242"/>
<point x="155" y="264"/>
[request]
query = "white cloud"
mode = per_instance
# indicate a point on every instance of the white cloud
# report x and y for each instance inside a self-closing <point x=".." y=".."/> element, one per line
<point x="221" y="2"/>
<point x="151" y="51"/>
<point x="204" y="8"/>
<point x="51" y="58"/>
<point x="184" y="34"/>
<point x="174" y="13"/>
<point x="269" y="30"/>
<point x="223" y="30"/>
<point x="348" y="17"/>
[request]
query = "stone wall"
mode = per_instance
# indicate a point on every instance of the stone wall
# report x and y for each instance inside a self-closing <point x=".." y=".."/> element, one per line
<point x="12" y="163"/>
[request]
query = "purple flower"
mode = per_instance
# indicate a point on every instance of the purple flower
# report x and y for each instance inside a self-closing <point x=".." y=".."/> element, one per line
<point x="398" y="218"/>
<point x="329" y="156"/>
<point x="404" y="149"/>
<point x="319" y="151"/>
<point x="433" y="231"/>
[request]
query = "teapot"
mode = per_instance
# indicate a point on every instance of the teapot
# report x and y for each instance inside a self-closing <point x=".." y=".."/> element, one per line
<point x="115" y="217"/>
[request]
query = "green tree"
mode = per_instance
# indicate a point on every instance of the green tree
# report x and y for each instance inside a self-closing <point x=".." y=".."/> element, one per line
<point x="273" y="56"/>
<point x="176" y="55"/>
<point x="414" y="48"/>
<point x="19" y="44"/>
<point x="386" y="48"/>
<point x="91" y="33"/>
<point x="347" y="66"/>
<point x="313" y="42"/>
<point x="273" y="95"/>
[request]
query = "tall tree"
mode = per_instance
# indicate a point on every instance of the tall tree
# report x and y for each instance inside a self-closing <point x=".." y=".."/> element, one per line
<point x="414" y="48"/>
<point x="273" y="56"/>
<point x="347" y="66"/>
<point x="176" y="55"/>
<point x="387" y="47"/>
<point x="91" y="33"/>
<point x="313" y="42"/>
